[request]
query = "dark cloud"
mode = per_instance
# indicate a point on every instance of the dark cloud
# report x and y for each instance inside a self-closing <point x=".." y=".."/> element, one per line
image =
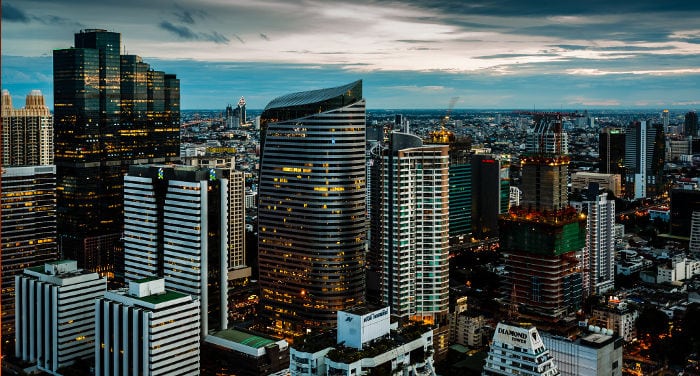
<point x="188" y="15"/>
<point x="185" y="32"/>
<point x="13" y="14"/>
<point x="265" y="37"/>
<point x="239" y="38"/>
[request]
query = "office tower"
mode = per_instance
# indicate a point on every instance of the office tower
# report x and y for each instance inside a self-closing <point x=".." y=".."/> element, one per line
<point x="665" y="117"/>
<point x="175" y="227"/>
<point x="581" y="180"/>
<point x="54" y="311"/>
<point x="541" y="237"/>
<point x="519" y="351"/>
<point x="415" y="236"/>
<point x="375" y="215"/>
<point x="240" y="111"/>
<point x="491" y="194"/>
<point x="27" y="133"/>
<point x="644" y="160"/>
<point x="694" y="242"/>
<point x="146" y="330"/>
<point x="311" y="209"/>
<point x="690" y="125"/>
<point x="110" y="111"/>
<point x="611" y="148"/>
<point x="598" y="256"/>
<point x="28" y="229"/>
<point x="461" y="178"/>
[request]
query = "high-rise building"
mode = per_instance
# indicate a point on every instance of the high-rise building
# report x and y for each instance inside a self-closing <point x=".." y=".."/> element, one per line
<point x="684" y="202"/>
<point x="28" y="230"/>
<point x="665" y="118"/>
<point x="491" y="194"/>
<point x="690" y="126"/>
<point x="541" y="237"/>
<point x="598" y="256"/>
<point x="110" y="111"/>
<point x="146" y="330"/>
<point x="611" y="148"/>
<point x="55" y="314"/>
<point x="644" y="160"/>
<point x="415" y="236"/>
<point x="461" y="178"/>
<point x="175" y="227"/>
<point x="311" y="209"/>
<point x="519" y="351"/>
<point x="594" y="354"/>
<point x="27" y="133"/>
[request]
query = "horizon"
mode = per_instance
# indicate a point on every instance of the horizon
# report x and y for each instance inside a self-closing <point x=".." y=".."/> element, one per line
<point x="502" y="55"/>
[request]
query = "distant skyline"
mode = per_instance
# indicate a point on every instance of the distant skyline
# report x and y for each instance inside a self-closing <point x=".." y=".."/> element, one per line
<point x="410" y="54"/>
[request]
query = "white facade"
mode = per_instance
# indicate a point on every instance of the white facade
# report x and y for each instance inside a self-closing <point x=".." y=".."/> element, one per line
<point x="54" y="314"/>
<point x="515" y="193"/>
<point x="679" y="268"/>
<point x="415" y="280"/>
<point x="468" y="330"/>
<point x="599" y="252"/>
<point x="592" y="355"/>
<point x="518" y="351"/>
<point x="167" y="234"/>
<point x="411" y="357"/>
<point x="146" y="330"/>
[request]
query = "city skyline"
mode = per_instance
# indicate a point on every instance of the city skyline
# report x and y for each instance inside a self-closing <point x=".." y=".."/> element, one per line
<point x="503" y="54"/>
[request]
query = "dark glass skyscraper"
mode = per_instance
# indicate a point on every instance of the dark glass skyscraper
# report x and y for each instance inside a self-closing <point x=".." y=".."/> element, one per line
<point x="690" y="126"/>
<point x="110" y="111"/>
<point x="311" y="210"/>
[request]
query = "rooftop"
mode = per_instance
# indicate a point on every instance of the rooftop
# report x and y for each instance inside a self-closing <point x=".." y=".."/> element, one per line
<point x="244" y="338"/>
<point x="161" y="298"/>
<point x="314" y="96"/>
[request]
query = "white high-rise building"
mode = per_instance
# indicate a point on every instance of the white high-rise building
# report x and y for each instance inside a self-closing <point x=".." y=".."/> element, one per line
<point x="598" y="256"/>
<point x="27" y="133"/>
<point x="415" y="238"/>
<point x="518" y="351"/>
<point x="176" y="227"/>
<point x="54" y="314"/>
<point x="694" y="245"/>
<point x="594" y="354"/>
<point x="146" y="330"/>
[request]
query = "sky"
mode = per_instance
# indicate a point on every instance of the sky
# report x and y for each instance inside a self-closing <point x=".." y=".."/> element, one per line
<point x="489" y="54"/>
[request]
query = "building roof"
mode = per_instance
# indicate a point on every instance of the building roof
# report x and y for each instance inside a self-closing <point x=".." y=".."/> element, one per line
<point x="313" y="96"/>
<point x="161" y="298"/>
<point x="244" y="338"/>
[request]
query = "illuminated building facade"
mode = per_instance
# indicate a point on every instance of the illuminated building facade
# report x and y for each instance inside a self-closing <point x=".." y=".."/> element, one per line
<point x="110" y="111"/>
<point x="645" y="150"/>
<point x="415" y="236"/>
<point x="541" y="237"/>
<point x="519" y="351"/>
<point x="175" y="227"/>
<point x="311" y="209"/>
<point x="598" y="256"/>
<point x="28" y="230"/>
<point x="27" y="133"/>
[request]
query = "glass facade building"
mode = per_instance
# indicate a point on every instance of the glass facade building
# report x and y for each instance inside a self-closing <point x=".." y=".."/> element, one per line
<point x="311" y="209"/>
<point x="110" y="111"/>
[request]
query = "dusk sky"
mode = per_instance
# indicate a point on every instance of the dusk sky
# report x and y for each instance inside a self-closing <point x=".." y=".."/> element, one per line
<point x="411" y="54"/>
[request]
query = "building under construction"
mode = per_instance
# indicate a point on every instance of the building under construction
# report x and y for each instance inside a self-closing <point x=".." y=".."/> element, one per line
<point x="541" y="237"/>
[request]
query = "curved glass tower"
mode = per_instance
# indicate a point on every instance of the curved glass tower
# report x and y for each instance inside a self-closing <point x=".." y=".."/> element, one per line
<point x="311" y="209"/>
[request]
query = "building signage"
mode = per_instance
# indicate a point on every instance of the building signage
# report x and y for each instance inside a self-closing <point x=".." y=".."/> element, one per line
<point x="520" y="337"/>
<point x="376" y="315"/>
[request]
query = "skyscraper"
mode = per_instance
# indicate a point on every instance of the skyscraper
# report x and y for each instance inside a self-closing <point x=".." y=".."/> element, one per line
<point x="644" y="160"/>
<point x="598" y="256"/>
<point x="611" y="148"/>
<point x="175" y="227"/>
<point x="110" y="111"/>
<point x="28" y="229"/>
<point x="491" y="194"/>
<point x="415" y="236"/>
<point x="311" y="209"/>
<point x="27" y="133"/>
<point x="690" y="126"/>
<point x="541" y="237"/>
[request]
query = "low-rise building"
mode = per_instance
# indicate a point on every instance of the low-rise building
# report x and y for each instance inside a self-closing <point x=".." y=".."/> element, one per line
<point x="581" y="180"/>
<point x="244" y="353"/>
<point x="146" y="330"/>
<point x="618" y="316"/>
<point x="366" y="342"/>
<point x="594" y="354"/>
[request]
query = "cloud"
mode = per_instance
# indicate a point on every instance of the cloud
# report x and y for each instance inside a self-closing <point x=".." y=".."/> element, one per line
<point x="239" y="38"/>
<point x="185" y="32"/>
<point x="13" y="14"/>
<point x="187" y="15"/>
<point x="264" y="37"/>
